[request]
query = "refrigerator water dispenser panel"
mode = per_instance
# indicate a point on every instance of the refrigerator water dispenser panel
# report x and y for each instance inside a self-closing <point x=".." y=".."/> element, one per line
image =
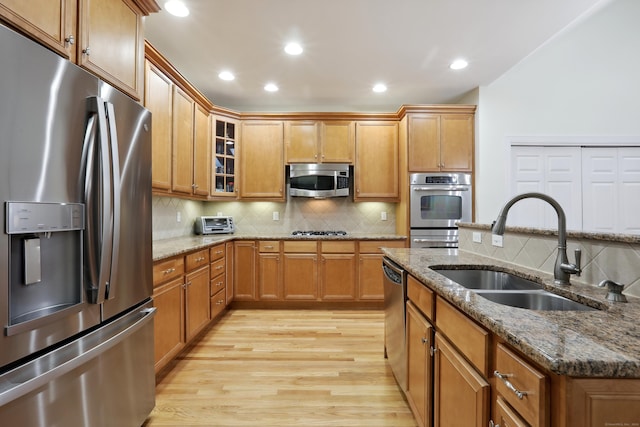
<point x="33" y="217"/>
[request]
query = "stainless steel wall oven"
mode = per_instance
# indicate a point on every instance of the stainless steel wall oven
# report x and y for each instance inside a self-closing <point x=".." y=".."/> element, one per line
<point x="437" y="202"/>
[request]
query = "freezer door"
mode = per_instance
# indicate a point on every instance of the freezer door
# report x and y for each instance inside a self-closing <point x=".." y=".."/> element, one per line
<point x="103" y="379"/>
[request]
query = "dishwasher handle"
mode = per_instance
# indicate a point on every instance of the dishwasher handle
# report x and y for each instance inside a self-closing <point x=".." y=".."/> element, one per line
<point x="392" y="271"/>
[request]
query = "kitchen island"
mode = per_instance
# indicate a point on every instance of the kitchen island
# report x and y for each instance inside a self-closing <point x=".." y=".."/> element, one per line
<point x="584" y="365"/>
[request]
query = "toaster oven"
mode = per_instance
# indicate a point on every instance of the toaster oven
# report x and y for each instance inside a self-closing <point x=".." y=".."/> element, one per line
<point x="214" y="225"/>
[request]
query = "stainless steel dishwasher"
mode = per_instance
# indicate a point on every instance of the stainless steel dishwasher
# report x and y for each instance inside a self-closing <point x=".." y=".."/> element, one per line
<point x="395" y="296"/>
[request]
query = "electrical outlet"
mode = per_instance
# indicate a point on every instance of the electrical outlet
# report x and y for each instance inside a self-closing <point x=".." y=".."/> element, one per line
<point x="219" y="213"/>
<point x="178" y="216"/>
<point x="477" y="237"/>
<point x="383" y="216"/>
<point x="276" y="216"/>
<point x="496" y="240"/>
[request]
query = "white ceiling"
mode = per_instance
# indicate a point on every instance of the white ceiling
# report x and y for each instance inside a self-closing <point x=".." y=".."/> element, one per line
<point x="352" y="44"/>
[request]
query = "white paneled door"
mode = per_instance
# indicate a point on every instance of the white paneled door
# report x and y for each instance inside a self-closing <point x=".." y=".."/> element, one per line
<point x="611" y="189"/>
<point x="555" y="171"/>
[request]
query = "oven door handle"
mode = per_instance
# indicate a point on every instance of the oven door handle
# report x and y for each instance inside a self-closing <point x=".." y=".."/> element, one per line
<point x="454" y="240"/>
<point x="453" y="188"/>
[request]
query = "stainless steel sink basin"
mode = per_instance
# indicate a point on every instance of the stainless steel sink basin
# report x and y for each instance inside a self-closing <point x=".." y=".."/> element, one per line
<point x="508" y="289"/>
<point x="535" y="300"/>
<point x="488" y="279"/>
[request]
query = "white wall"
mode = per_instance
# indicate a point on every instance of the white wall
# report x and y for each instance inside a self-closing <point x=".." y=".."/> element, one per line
<point x="584" y="82"/>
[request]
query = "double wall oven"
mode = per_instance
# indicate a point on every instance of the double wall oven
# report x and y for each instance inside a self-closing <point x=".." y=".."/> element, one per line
<point x="437" y="202"/>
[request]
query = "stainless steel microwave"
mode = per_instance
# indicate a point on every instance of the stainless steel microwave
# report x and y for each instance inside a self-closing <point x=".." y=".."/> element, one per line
<point x="319" y="180"/>
<point x="214" y="225"/>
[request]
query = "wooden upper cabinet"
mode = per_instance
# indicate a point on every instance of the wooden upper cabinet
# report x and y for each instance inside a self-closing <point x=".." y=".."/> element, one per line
<point x="53" y="22"/>
<point x="103" y="36"/>
<point x="337" y="139"/>
<point x="182" y="170"/>
<point x="201" y="151"/>
<point x="262" y="161"/>
<point x="111" y="42"/>
<point x="301" y="141"/>
<point x="376" y="167"/>
<point x="319" y="142"/>
<point x="440" y="142"/>
<point x="157" y="99"/>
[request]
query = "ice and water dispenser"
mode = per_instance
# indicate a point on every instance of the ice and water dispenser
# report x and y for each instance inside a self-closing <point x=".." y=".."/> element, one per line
<point x="45" y="263"/>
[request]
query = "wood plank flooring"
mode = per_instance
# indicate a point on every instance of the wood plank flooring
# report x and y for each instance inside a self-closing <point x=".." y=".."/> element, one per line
<point x="284" y="368"/>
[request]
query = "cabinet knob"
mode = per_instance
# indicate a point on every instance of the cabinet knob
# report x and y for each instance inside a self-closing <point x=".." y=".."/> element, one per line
<point x="432" y="351"/>
<point x="70" y="39"/>
<point x="86" y="51"/>
<point x="424" y="340"/>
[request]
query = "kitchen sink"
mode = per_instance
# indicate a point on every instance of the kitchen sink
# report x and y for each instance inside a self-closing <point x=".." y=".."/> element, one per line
<point x="508" y="289"/>
<point x="488" y="279"/>
<point x="535" y="300"/>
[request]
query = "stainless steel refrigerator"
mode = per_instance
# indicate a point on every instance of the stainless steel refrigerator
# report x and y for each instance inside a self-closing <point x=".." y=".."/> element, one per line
<point x="76" y="347"/>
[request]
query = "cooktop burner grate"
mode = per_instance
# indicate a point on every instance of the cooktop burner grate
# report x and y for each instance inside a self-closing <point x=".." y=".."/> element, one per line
<point x="319" y="233"/>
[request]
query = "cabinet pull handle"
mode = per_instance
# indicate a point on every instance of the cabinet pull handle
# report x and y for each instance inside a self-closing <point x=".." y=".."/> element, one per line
<point x="219" y="267"/>
<point x="70" y="39"/>
<point x="424" y="340"/>
<point x="432" y="350"/>
<point x="169" y="270"/>
<point x="219" y="302"/>
<point x="268" y="247"/>
<point x="86" y="51"/>
<point x="219" y="252"/>
<point x="184" y="286"/>
<point x="507" y="383"/>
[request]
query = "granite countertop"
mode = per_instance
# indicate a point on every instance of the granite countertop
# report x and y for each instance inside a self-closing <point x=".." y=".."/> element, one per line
<point x="598" y="343"/>
<point x="166" y="248"/>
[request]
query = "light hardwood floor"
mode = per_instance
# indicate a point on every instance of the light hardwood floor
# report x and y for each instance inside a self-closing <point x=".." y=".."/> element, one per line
<point x="284" y="368"/>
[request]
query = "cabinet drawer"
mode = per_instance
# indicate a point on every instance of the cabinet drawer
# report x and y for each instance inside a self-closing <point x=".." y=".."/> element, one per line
<point x="217" y="252"/>
<point x="338" y="247"/>
<point x="471" y="339"/>
<point x="519" y="375"/>
<point x="300" y="247"/>
<point x="217" y="283"/>
<point x="506" y="416"/>
<point x="197" y="259"/>
<point x="217" y="267"/>
<point x="374" y="246"/>
<point x="421" y="296"/>
<point x="268" y="246"/>
<point x="218" y="303"/>
<point x="167" y="270"/>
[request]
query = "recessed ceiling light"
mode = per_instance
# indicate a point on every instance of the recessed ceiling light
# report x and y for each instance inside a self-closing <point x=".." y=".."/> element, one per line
<point x="271" y="87"/>
<point x="176" y="8"/>
<point x="293" y="48"/>
<point x="458" y="64"/>
<point x="379" y="87"/>
<point x="226" y="75"/>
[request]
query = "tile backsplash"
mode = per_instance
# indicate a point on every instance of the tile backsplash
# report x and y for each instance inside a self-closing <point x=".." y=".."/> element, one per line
<point x="601" y="259"/>
<point x="257" y="217"/>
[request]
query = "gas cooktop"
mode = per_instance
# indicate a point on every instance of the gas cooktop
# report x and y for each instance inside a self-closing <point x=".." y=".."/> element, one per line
<point x="319" y="233"/>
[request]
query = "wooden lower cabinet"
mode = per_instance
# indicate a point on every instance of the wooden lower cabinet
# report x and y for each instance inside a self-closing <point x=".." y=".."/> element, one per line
<point x="370" y="278"/>
<point x="461" y="394"/>
<point x="419" y="366"/>
<point x="337" y="271"/>
<point x="269" y="271"/>
<point x="300" y="270"/>
<point x="594" y="402"/>
<point x="197" y="301"/>
<point x="168" y="299"/>
<point x="244" y="270"/>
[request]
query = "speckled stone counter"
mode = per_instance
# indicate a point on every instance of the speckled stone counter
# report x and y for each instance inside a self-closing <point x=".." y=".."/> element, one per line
<point x="166" y="248"/>
<point x="599" y="343"/>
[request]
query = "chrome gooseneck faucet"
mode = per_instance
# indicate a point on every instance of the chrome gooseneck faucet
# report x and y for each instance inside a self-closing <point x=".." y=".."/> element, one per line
<point x="563" y="269"/>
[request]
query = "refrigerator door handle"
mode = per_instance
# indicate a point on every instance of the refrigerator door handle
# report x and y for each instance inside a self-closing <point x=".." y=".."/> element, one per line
<point x="30" y="377"/>
<point x="116" y="196"/>
<point x="98" y="200"/>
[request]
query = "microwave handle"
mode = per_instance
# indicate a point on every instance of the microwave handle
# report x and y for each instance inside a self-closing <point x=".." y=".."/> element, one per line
<point x="454" y="188"/>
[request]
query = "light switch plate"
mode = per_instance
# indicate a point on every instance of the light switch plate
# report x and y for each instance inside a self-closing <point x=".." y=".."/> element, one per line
<point x="276" y="216"/>
<point x="477" y="237"/>
<point x="496" y="240"/>
<point x="383" y="216"/>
